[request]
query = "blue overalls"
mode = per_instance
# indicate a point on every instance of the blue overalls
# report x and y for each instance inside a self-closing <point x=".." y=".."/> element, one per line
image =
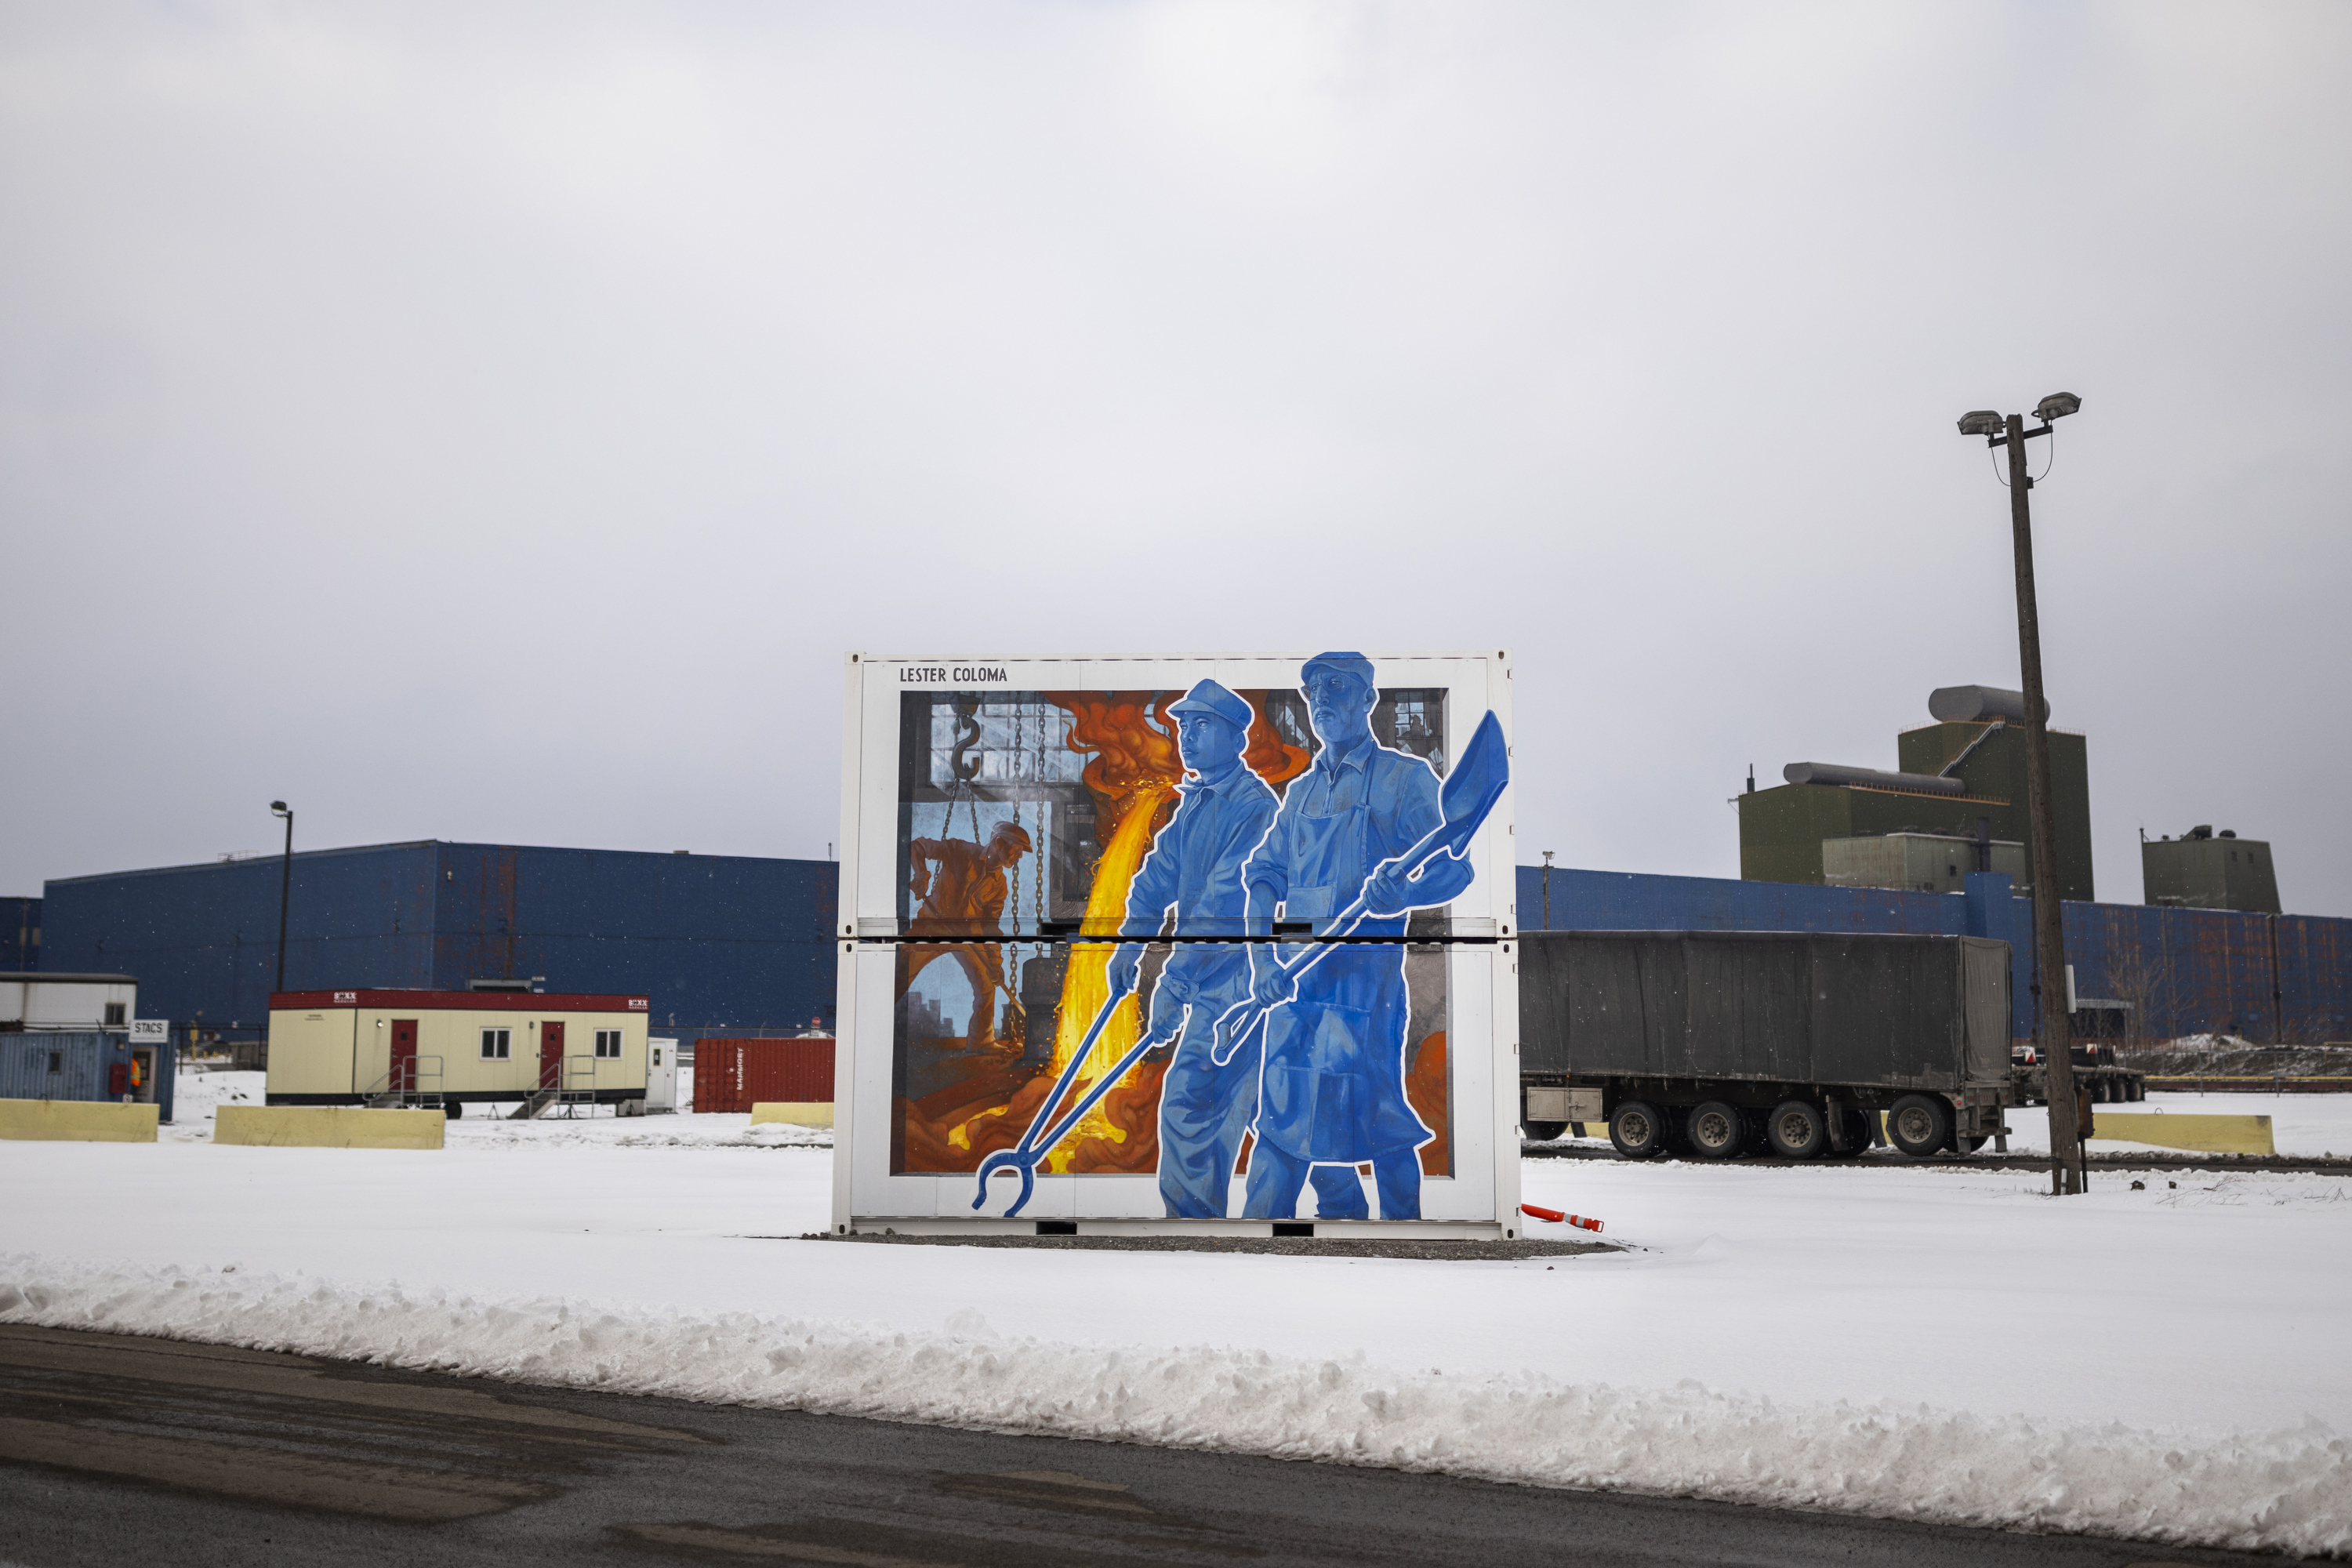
<point x="1333" y="1092"/>
<point x="1196" y="864"/>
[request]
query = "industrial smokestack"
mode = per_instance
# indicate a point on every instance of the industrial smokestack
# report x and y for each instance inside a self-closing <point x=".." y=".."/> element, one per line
<point x="1870" y="778"/>
<point x="1978" y="704"/>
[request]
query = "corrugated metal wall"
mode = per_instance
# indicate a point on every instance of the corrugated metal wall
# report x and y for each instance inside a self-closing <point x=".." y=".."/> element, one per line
<point x="736" y="1075"/>
<point x="81" y="1059"/>
<point x="720" y="944"/>
<point x="2284" y="977"/>
<point x="2314" y="957"/>
<point x="20" y="934"/>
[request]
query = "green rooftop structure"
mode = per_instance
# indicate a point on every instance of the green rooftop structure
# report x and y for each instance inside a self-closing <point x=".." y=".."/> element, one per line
<point x="1962" y="776"/>
<point x="2201" y="871"/>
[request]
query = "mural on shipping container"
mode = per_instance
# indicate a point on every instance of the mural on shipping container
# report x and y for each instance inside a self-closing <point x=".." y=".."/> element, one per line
<point x="1104" y="946"/>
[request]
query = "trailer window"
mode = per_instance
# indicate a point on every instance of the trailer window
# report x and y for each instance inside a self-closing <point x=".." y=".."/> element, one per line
<point x="114" y="1009"/>
<point x="498" y="1044"/>
<point x="608" y="1042"/>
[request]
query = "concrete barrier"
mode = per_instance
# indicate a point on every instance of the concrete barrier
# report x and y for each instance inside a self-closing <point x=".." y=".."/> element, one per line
<point x="799" y="1112"/>
<point x="2206" y="1134"/>
<point x="327" y="1127"/>
<point x="77" y="1121"/>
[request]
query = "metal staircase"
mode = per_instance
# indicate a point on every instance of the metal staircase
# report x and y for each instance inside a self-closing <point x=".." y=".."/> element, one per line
<point x="414" y="1084"/>
<point x="564" y="1087"/>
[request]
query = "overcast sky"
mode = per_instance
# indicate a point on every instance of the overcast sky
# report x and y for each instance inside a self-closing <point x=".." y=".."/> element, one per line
<point x="496" y="423"/>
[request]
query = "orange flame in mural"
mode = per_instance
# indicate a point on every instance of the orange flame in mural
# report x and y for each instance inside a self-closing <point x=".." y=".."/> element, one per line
<point x="1132" y="774"/>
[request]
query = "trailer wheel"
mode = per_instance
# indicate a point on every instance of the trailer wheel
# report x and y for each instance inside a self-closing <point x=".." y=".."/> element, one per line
<point x="1715" y="1130"/>
<point x="1919" y="1125"/>
<point x="1544" y="1131"/>
<point x="1639" y="1130"/>
<point x="452" y="1109"/>
<point x="1968" y="1145"/>
<point x="1798" y="1129"/>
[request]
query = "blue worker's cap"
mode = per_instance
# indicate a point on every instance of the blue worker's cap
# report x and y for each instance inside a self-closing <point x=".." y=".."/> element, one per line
<point x="1208" y="697"/>
<point x="1353" y="664"/>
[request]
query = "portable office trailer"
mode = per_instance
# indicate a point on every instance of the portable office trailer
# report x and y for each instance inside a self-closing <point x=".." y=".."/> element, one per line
<point x="1722" y="1042"/>
<point x="452" y="1048"/>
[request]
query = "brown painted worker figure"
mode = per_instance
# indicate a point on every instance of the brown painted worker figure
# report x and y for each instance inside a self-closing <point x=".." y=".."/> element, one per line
<point x="964" y="889"/>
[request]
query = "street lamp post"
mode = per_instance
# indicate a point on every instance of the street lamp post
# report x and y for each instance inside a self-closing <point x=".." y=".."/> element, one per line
<point x="285" y="884"/>
<point x="2066" y="1174"/>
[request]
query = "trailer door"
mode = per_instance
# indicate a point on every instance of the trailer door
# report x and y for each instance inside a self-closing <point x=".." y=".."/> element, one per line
<point x="403" y="1056"/>
<point x="550" y="1054"/>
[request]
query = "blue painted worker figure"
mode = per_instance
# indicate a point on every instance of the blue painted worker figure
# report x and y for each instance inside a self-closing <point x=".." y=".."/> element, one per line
<point x="1332" y="1094"/>
<point x="1195" y="868"/>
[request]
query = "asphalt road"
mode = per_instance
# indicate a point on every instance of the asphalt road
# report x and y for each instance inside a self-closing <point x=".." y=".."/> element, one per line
<point x="115" y="1449"/>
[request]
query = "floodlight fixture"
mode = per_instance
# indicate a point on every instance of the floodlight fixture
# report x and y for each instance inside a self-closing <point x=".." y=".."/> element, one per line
<point x="1982" y="422"/>
<point x="2057" y="406"/>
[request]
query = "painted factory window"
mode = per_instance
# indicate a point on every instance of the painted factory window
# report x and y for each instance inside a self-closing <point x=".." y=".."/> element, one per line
<point x="608" y="1042"/>
<point x="496" y="1044"/>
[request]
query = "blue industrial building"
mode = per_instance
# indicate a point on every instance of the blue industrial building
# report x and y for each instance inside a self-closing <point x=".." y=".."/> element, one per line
<point x="20" y="935"/>
<point x="735" y="944"/>
<point x="722" y="944"/>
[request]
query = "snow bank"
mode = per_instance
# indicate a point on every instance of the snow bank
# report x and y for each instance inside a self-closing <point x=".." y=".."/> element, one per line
<point x="2284" y="1490"/>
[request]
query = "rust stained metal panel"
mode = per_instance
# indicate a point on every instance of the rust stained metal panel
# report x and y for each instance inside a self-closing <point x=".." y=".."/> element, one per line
<point x="2314" y="978"/>
<point x="734" y="1075"/>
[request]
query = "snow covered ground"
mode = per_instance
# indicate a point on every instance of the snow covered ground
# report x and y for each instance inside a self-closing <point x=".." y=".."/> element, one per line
<point x="1873" y="1340"/>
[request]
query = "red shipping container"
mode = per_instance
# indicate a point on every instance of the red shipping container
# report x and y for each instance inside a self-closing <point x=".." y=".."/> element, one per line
<point x="734" y="1075"/>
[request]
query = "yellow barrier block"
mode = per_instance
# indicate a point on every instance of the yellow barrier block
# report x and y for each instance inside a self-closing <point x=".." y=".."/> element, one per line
<point x="2206" y="1134"/>
<point x="799" y="1112"/>
<point x="77" y="1121"/>
<point x="327" y="1127"/>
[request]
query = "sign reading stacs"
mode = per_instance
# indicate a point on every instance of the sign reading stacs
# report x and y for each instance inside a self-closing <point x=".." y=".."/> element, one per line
<point x="1178" y="943"/>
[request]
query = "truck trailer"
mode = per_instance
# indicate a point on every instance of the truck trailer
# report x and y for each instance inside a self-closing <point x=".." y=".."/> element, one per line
<point x="1788" y="1043"/>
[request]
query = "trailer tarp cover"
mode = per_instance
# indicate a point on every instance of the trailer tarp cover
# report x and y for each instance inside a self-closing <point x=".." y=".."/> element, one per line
<point x="1914" y="1012"/>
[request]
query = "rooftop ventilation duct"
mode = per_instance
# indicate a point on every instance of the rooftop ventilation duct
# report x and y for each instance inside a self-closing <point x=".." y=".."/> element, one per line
<point x="1870" y="778"/>
<point x="1976" y="704"/>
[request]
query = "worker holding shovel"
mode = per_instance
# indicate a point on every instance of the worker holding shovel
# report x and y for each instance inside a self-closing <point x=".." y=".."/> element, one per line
<point x="1332" y="1093"/>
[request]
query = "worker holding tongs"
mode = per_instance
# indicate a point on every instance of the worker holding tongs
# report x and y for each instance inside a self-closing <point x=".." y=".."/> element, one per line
<point x="1195" y="870"/>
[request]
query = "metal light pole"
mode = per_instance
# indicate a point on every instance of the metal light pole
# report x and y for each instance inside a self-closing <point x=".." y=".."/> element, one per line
<point x="285" y="884"/>
<point x="2066" y="1174"/>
